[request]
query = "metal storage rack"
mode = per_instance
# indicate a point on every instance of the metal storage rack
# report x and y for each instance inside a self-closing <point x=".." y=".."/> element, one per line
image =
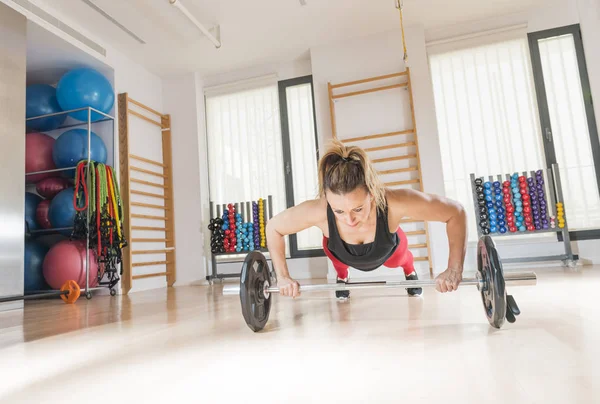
<point x="216" y="210"/>
<point x="73" y="124"/>
<point x="554" y="194"/>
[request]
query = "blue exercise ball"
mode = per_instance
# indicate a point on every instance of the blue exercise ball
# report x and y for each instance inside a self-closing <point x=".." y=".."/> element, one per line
<point x="85" y="87"/>
<point x="72" y="146"/>
<point x="31" y="202"/>
<point x="41" y="100"/>
<point x="61" y="211"/>
<point x="34" y="260"/>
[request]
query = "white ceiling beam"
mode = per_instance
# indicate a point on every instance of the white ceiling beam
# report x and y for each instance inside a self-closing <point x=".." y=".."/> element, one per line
<point x="216" y="41"/>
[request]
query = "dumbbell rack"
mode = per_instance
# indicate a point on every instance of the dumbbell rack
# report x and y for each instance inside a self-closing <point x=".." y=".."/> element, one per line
<point x="216" y="210"/>
<point x="553" y="190"/>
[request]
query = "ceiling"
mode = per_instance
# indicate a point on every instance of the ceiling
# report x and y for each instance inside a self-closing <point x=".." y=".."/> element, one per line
<point x="255" y="32"/>
<point x="49" y="57"/>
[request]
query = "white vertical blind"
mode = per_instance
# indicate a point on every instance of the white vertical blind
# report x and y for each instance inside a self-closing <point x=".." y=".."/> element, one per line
<point x="487" y="116"/>
<point x="244" y="146"/>
<point x="304" y="157"/>
<point x="570" y="132"/>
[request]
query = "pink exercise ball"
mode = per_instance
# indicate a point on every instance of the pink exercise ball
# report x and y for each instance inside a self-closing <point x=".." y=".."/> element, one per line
<point x="38" y="156"/>
<point x="41" y="214"/>
<point x="50" y="187"/>
<point x="66" y="261"/>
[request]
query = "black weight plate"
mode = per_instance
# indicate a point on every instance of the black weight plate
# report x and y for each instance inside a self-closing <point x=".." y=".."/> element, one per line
<point x="255" y="306"/>
<point x="493" y="294"/>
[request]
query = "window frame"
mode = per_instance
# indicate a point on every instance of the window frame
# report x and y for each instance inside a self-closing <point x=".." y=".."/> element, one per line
<point x="543" y="110"/>
<point x="287" y="157"/>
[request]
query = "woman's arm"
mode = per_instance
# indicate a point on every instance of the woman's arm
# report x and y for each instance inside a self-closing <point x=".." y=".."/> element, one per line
<point x="421" y="206"/>
<point x="291" y="221"/>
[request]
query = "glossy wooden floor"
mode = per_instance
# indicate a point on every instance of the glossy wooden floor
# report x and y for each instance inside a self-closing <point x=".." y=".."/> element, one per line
<point x="191" y="345"/>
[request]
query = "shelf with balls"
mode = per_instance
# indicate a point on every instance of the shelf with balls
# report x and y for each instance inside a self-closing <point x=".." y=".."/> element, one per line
<point x="522" y="203"/>
<point x="516" y="205"/>
<point x="60" y="217"/>
<point x="232" y="236"/>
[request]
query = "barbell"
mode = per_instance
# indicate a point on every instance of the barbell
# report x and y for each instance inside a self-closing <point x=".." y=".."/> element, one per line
<point x="69" y="293"/>
<point x="255" y="289"/>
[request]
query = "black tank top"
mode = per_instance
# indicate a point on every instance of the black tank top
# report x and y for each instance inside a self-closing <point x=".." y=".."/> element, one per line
<point x="364" y="257"/>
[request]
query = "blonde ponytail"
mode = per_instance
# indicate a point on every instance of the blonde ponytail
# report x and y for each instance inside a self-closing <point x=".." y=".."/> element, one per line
<point x="343" y="168"/>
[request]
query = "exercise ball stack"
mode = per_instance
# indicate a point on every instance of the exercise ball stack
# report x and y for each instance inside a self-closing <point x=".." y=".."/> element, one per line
<point x="38" y="156"/>
<point x="66" y="261"/>
<point x="41" y="100"/>
<point x="35" y="253"/>
<point x="56" y="212"/>
<point x="85" y="87"/>
<point x="31" y="204"/>
<point x="71" y="147"/>
<point x="42" y="214"/>
<point x="61" y="211"/>
<point x="52" y="204"/>
<point x="50" y="187"/>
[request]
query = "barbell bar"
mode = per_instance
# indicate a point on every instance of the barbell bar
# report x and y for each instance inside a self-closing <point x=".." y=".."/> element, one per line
<point x="255" y="287"/>
<point x="69" y="293"/>
<point x="515" y="279"/>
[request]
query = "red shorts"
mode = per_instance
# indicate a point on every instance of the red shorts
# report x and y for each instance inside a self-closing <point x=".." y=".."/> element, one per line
<point x="402" y="257"/>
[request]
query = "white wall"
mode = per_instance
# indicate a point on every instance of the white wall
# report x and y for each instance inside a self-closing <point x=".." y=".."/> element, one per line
<point x="134" y="79"/>
<point x="181" y="101"/>
<point x="351" y="60"/>
<point x="13" y="29"/>
<point x="373" y="56"/>
<point x="284" y="70"/>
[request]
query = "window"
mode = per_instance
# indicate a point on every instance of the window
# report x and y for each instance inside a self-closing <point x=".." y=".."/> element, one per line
<point x="261" y="140"/>
<point x="244" y="146"/>
<point x="301" y="156"/>
<point x="568" y="124"/>
<point x="513" y="105"/>
<point x="486" y="114"/>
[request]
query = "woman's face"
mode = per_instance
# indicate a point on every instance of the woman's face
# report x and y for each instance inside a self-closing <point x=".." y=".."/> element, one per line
<point x="353" y="208"/>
